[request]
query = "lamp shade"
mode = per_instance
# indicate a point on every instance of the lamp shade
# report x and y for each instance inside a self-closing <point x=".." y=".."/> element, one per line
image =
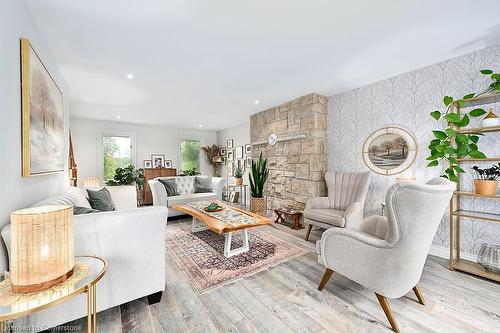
<point x="42" y="250"/>
<point x="91" y="182"/>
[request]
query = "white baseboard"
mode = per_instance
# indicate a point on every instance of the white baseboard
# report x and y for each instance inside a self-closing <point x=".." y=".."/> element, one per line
<point x="444" y="252"/>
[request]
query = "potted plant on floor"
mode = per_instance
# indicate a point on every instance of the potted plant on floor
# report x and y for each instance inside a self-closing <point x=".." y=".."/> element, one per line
<point x="257" y="178"/>
<point x="238" y="176"/>
<point x="486" y="180"/>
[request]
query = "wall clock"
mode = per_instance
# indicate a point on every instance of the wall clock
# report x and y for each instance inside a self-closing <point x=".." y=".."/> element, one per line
<point x="273" y="138"/>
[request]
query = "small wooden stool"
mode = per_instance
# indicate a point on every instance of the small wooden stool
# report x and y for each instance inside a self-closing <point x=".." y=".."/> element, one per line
<point x="282" y="214"/>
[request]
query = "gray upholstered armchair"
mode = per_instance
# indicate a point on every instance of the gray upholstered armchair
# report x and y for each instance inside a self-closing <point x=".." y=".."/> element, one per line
<point x="387" y="255"/>
<point x="344" y="206"/>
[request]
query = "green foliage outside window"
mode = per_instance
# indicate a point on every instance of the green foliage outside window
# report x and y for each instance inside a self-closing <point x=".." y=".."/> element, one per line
<point x="113" y="157"/>
<point x="190" y="154"/>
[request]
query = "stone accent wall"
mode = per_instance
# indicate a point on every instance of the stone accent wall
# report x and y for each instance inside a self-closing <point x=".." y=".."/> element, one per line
<point x="296" y="167"/>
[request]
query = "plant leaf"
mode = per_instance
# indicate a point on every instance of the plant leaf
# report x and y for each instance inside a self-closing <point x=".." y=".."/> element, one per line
<point x="477" y="112"/>
<point x="469" y="96"/>
<point x="447" y="100"/>
<point x="451" y="132"/>
<point x="462" y="138"/>
<point x="436" y="115"/>
<point x="473" y="138"/>
<point x="432" y="164"/>
<point x="453" y="177"/>
<point x="440" y="134"/>
<point x="460" y="103"/>
<point x="476" y="154"/>
<point x="486" y="71"/>
<point x="452" y="117"/>
<point x="449" y="150"/>
<point x="473" y="146"/>
<point x="458" y="169"/>
<point x="465" y="121"/>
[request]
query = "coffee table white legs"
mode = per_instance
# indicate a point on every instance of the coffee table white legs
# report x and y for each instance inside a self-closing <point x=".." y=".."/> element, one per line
<point x="197" y="226"/>
<point x="227" y="244"/>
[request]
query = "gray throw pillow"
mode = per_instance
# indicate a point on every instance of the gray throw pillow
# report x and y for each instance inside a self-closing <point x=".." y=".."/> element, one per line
<point x="170" y="186"/>
<point x="101" y="200"/>
<point x="83" y="210"/>
<point x="202" y="184"/>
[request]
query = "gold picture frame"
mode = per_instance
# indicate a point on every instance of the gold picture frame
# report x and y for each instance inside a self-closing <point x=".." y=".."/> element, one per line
<point x="43" y="143"/>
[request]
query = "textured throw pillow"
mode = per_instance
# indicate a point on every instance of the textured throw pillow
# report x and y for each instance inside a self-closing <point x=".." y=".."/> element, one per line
<point x="83" y="210"/>
<point x="101" y="200"/>
<point x="202" y="184"/>
<point x="170" y="186"/>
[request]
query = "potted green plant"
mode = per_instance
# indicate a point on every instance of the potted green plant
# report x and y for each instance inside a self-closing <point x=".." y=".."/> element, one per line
<point x="189" y="172"/>
<point x="486" y="180"/>
<point x="257" y="179"/>
<point x="449" y="145"/>
<point x="129" y="176"/>
<point x="238" y="176"/>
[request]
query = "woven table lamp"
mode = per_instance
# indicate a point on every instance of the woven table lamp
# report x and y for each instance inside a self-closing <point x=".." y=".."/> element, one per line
<point x="91" y="182"/>
<point x="42" y="250"/>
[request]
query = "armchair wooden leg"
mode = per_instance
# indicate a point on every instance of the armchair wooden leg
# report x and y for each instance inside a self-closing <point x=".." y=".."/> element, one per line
<point x="419" y="295"/>
<point x="326" y="277"/>
<point x="308" y="232"/>
<point x="388" y="312"/>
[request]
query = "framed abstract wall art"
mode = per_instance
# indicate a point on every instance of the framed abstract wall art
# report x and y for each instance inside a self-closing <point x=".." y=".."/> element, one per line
<point x="390" y="150"/>
<point x="43" y="140"/>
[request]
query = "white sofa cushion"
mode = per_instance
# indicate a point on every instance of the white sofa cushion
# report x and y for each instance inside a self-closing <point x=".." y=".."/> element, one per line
<point x="72" y="196"/>
<point x="180" y="199"/>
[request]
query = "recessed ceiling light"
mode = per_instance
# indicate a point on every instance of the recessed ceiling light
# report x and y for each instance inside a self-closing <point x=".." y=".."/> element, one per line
<point x="256" y="101"/>
<point x="200" y="126"/>
<point x="130" y="76"/>
<point x="118" y="117"/>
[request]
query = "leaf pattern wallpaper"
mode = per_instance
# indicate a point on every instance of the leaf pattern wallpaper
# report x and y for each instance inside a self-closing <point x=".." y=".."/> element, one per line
<point x="406" y="101"/>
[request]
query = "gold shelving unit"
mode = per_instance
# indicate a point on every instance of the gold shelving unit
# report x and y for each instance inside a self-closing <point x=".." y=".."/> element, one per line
<point x="456" y="214"/>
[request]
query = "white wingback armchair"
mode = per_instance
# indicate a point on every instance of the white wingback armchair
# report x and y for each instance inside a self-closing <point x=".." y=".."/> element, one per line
<point x="344" y="206"/>
<point x="387" y="254"/>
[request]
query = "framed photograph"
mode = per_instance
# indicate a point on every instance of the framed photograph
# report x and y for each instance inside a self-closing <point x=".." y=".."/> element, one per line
<point x="234" y="197"/>
<point x="230" y="168"/>
<point x="390" y="150"/>
<point x="241" y="164"/>
<point x="168" y="164"/>
<point x="239" y="152"/>
<point x="148" y="164"/>
<point x="222" y="151"/>
<point x="230" y="143"/>
<point x="248" y="161"/>
<point x="43" y="138"/>
<point x="158" y="160"/>
<point x="230" y="155"/>
<point x="248" y="149"/>
<point x="223" y="161"/>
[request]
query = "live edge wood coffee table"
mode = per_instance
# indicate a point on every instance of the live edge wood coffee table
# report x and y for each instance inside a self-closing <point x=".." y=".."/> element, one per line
<point x="225" y="222"/>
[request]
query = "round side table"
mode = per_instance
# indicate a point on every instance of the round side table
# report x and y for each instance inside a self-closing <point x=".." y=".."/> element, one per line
<point x="87" y="272"/>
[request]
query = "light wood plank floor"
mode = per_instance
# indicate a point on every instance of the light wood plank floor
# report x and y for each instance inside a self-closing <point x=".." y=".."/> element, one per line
<point x="285" y="298"/>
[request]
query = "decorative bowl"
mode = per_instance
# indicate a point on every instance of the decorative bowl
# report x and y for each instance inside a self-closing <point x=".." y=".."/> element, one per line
<point x="213" y="207"/>
<point x="489" y="257"/>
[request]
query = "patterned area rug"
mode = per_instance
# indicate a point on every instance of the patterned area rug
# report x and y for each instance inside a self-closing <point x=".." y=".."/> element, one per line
<point x="201" y="255"/>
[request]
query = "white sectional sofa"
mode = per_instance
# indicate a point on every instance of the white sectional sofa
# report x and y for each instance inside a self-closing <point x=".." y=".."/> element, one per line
<point x="131" y="239"/>
<point x="185" y="186"/>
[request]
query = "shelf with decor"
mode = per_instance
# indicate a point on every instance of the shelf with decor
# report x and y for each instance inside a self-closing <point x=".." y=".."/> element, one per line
<point x="456" y="212"/>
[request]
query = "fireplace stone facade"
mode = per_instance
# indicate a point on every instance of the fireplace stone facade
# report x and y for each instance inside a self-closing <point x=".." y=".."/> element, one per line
<point x="298" y="161"/>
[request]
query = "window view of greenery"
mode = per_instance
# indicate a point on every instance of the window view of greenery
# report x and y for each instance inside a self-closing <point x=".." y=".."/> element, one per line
<point x="190" y="155"/>
<point x="116" y="151"/>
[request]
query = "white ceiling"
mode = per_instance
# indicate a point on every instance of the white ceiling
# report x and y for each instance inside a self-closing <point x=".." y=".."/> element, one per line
<point x="199" y="62"/>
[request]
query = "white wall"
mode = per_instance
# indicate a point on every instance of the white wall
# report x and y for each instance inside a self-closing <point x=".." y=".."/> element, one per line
<point x="241" y="136"/>
<point x="150" y="139"/>
<point x="18" y="192"/>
